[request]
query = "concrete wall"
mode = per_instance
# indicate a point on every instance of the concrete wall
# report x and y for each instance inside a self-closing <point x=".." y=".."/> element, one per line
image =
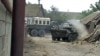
<point x="5" y="31"/>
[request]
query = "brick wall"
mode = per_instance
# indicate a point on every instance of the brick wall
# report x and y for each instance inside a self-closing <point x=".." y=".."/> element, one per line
<point x="5" y="31"/>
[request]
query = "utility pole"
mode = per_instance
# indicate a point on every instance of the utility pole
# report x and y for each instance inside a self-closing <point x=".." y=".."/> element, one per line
<point x="17" y="41"/>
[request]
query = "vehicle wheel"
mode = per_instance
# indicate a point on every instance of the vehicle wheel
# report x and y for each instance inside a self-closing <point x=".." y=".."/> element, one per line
<point x="72" y="37"/>
<point x="69" y="38"/>
<point x="75" y="36"/>
<point x="54" y="38"/>
<point x="42" y="33"/>
<point x="63" y="39"/>
<point x="30" y="33"/>
<point x="58" y="39"/>
<point x="34" y="32"/>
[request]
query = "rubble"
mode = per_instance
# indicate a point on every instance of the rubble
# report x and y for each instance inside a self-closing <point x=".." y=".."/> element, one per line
<point x="92" y="23"/>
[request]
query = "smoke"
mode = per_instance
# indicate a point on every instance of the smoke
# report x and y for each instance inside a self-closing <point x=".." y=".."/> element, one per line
<point x="80" y="28"/>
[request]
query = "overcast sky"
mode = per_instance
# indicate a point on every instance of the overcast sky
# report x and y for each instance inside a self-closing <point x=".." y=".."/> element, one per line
<point x="66" y="5"/>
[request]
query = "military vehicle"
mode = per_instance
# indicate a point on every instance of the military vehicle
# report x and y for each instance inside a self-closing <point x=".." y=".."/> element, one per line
<point x="63" y="32"/>
<point x="92" y="24"/>
<point x="37" y="26"/>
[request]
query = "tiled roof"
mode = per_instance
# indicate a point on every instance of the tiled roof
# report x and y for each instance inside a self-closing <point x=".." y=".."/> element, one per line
<point x="34" y="10"/>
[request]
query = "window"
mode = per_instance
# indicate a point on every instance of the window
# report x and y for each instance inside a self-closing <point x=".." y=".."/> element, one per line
<point x="36" y="22"/>
<point x="32" y="21"/>
<point x="43" y="22"/>
<point x="39" y="22"/>
<point x="28" y="21"/>
<point x="48" y="22"/>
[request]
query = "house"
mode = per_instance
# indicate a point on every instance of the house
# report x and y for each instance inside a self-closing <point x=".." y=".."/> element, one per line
<point x="34" y="10"/>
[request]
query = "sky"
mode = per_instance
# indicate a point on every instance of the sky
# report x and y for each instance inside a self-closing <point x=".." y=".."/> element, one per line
<point x="66" y="5"/>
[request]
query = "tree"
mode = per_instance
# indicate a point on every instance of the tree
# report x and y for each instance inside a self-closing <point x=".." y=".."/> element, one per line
<point x="93" y="8"/>
<point x="55" y="15"/>
<point x="87" y="12"/>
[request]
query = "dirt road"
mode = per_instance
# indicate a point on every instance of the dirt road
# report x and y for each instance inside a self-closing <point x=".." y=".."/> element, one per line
<point x="43" y="46"/>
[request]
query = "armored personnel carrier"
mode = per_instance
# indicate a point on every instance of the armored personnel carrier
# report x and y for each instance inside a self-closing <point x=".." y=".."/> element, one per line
<point x="63" y="32"/>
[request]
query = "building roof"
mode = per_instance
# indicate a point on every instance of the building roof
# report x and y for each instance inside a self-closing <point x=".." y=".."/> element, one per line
<point x="2" y="7"/>
<point x="72" y="15"/>
<point x="8" y="4"/>
<point x="42" y="18"/>
<point x="90" y="17"/>
<point x="34" y="10"/>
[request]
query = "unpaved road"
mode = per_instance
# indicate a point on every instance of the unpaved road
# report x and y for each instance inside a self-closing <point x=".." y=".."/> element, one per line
<point x="43" y="46"/>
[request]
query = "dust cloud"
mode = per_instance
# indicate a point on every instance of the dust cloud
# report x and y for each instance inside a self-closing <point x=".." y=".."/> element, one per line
<point x="80" y="28"/>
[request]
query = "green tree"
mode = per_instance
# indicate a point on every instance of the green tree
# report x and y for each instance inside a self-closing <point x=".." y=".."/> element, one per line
<point x="87" y="12"/>
<point x="55" y="15"/>
<point x="93" y="8"/>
